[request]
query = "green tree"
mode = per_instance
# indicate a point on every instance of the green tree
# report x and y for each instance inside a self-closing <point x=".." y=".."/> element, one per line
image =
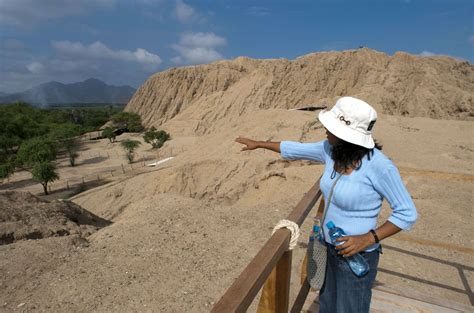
<point x="129" y="120"/>
<point x="7" y="163"/>
<point x="44" y="173"/>
<point x="130" y="146"/>
<point x="109" y="133"/>
<point x="36" y="150"/>
<point x="156" y="137"/>
<point x="6" y="169"/>
<point x="66" y="137"/>
<point x="36" y="155"/>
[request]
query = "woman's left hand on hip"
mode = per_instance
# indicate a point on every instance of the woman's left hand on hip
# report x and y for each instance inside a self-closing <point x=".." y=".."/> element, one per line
<point x="354" y="244"/>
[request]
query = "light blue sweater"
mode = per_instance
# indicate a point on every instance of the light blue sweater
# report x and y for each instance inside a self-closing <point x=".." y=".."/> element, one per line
<point x="357" y="197"/>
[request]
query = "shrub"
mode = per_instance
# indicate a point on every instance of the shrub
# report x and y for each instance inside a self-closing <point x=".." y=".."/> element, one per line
<point x="130" y="146"/>
<point x="156" y="137"/>
<point x="109" y="133"/>
<point x="131" y="121"/>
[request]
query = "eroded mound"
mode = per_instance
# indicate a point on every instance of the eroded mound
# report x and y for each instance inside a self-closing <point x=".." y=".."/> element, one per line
<point x="25" y="216"/>
<point x="400" y="85"/>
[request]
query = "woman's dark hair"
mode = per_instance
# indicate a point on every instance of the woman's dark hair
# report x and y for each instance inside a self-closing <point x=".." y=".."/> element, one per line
<point x="346" y="154"/>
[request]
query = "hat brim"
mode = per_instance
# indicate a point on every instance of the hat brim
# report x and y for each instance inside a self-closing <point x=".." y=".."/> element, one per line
<point x="338" y="129"/>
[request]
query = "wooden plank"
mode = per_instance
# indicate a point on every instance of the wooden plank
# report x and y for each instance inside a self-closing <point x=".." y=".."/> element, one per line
<point x="241" y="293"/>
<point x="393" y="303"/>
<point x="301" y="298"/>
<point x="417" y="295"/>
<point x="267" y="302"/>
<point x="276" y="291"/>
<point x="283" y="276"/>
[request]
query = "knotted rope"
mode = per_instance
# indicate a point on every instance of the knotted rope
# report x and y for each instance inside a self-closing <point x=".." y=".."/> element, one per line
<point x="294" y="229"/>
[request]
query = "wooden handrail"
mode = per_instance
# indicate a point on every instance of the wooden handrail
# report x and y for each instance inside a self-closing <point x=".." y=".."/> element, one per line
<point x="241" y="293"/>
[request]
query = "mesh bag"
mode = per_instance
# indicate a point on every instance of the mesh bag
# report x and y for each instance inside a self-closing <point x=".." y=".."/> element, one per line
<point x="317" y="250"/>
<point x="316" y="265"/>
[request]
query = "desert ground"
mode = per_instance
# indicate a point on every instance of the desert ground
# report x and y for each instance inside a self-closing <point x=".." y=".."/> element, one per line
<point x="181" y="232"/>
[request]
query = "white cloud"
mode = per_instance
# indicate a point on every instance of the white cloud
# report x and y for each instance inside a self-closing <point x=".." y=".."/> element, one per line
<point x="427" y="54"/>
<point x="197" y="48"/>
<point x="432" y="54"/>
<point x="35" y="67"/>
<point x="208" y="40"/>
<point x="197" y="55"/>
<point x="98" y="50"/>
<point x="185" y="13"/>
<point x="24" y="12"/>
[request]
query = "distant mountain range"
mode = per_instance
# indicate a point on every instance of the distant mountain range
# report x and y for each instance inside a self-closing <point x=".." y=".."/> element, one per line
<point x="89" y="91"/>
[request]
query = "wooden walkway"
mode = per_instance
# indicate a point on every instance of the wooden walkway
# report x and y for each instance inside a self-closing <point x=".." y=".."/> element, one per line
<point x="387" y="300"/>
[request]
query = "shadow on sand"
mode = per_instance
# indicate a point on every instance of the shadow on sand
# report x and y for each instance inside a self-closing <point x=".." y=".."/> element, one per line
<point x="93" y="160"/>
<point x="65" y="193"/>
<point x="459" y="267"/>
<point x="17" y="184"/>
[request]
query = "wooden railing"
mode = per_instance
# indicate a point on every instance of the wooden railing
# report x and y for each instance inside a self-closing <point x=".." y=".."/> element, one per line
<point x="274" y="253"/>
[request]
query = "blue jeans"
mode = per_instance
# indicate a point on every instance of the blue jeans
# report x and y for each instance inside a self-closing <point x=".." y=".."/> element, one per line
<point x="343" y="291"/>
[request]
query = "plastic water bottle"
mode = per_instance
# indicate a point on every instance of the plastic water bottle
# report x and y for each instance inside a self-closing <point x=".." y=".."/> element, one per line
<point x="316" y="231"/>
<point x="357" y="263"/>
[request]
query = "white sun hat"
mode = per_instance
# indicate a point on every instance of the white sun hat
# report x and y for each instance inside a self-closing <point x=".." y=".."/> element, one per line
<point x="352" y="120"/>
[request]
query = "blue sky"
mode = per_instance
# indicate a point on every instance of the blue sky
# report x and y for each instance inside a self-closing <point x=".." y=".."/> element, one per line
<point x="125" y="41"/>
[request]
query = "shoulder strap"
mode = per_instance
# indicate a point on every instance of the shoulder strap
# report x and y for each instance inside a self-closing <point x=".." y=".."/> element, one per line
<point x="328" y="203"/>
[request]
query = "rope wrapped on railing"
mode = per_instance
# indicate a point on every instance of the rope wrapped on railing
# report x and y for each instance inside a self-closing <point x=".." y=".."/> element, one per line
<point x="293" y="228"/>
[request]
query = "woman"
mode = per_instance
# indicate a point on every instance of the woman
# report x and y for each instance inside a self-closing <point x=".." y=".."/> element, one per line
<point x="362" y="177"/>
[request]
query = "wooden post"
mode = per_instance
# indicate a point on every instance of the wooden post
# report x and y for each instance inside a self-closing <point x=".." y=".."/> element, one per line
<point x="123" y="170"/>
<point x="111" y="173"/>
<point x="283" y="276"/>
<point x="83" y="180"/>
<point x="67" y="184"/>
<point x="276" y="291"/>
<point x="98" y="177"/>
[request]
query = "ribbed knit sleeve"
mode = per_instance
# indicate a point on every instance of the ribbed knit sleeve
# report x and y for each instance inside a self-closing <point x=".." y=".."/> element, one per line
<point x="315" y="151"/>
<point x="389" y="184"/>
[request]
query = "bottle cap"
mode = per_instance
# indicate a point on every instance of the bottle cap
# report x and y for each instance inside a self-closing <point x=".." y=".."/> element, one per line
<point x="330" y="224"/>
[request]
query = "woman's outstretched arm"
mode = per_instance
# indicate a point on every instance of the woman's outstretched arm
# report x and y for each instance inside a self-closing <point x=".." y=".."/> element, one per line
<point x="253" y="144"/>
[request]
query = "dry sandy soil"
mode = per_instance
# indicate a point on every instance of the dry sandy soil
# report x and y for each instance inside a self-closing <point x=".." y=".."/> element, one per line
<point x="182" y="232"/>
